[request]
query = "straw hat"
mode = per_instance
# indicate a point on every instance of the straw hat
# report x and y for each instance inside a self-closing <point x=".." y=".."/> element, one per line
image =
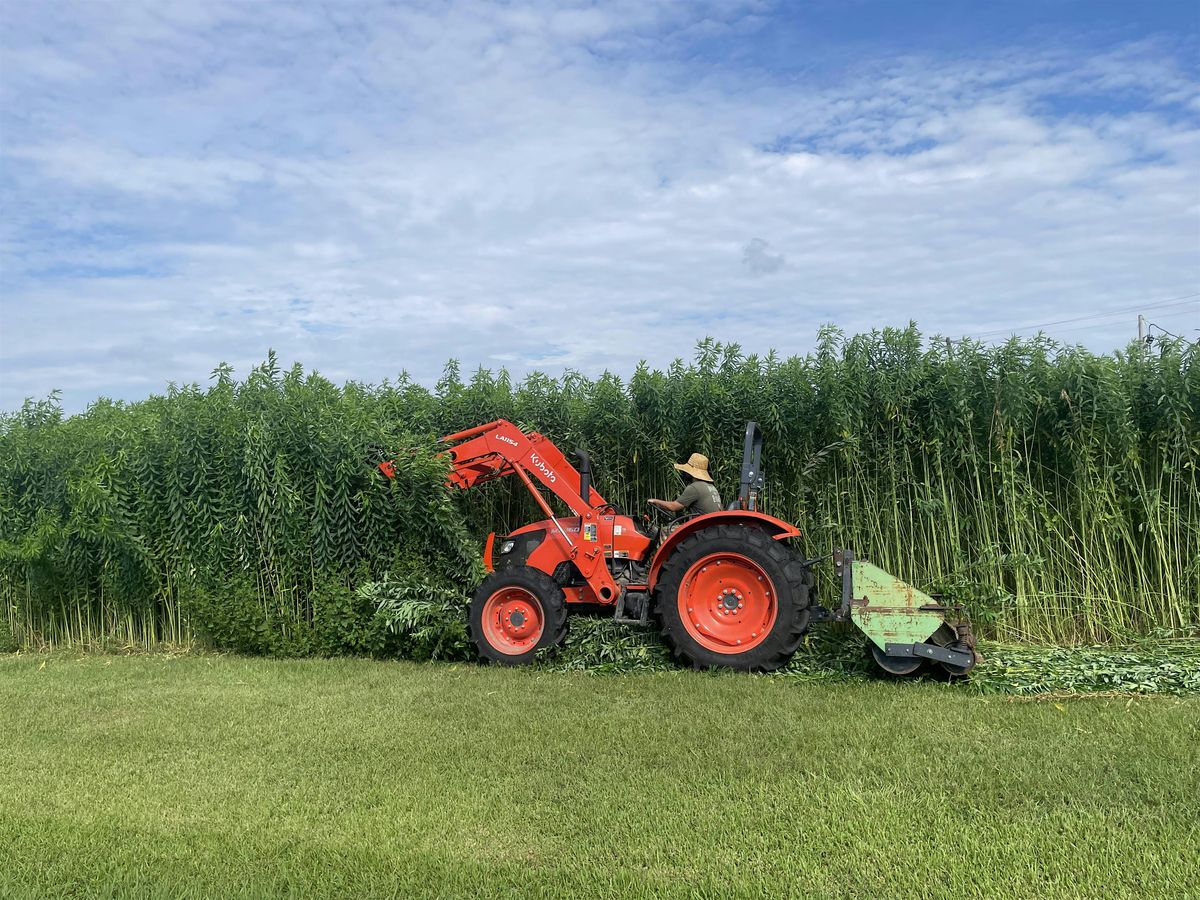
<point x="696" y="466"/>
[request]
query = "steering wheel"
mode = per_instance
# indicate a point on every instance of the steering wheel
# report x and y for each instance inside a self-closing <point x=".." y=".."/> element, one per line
<point x="651" y="521"/>
<point x="658" y="519"/>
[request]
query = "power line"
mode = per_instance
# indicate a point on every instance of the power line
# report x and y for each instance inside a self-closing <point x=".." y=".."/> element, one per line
<point x="1085" y="326"/>
<point x="1168" y="333"/>
<point x="1158" y="304"/>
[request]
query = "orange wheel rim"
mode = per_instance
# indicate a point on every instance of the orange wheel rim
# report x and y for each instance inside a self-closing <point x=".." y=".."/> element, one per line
<point x="513" y="620"/>
<point x="727" y="603"/>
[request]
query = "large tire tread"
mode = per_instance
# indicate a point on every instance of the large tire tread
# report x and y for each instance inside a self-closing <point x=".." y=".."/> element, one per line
<point x="790" y="574"/>
<point x="550" y="596"/>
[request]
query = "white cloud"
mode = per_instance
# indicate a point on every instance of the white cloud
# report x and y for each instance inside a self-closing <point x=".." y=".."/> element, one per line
<point x="375" y="189"/>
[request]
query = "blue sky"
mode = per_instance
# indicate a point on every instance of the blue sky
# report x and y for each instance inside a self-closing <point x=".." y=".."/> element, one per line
<point x="370" y="188"/>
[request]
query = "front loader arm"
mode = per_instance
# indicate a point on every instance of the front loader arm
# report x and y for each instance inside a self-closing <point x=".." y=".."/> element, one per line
<point x="497" y="449"/>
<point x="491" y="451"/>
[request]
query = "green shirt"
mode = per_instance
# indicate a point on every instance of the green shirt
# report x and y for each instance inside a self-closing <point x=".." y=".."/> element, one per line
<point x="699" y="497"/>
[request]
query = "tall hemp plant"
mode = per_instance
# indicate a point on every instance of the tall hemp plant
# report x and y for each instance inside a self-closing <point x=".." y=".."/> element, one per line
<point x="1054" y="490"/>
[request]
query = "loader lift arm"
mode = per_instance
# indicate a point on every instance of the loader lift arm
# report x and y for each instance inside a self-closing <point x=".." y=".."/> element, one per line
<point x="498" y="449"/>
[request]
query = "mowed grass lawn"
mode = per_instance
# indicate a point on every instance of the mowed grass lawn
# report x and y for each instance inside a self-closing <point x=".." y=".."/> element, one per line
<point x="218" y="776"/>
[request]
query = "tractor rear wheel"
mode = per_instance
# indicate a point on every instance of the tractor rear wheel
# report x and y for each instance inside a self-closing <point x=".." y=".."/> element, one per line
<point x="733" y="596"/>
<point x="515" y="613"/>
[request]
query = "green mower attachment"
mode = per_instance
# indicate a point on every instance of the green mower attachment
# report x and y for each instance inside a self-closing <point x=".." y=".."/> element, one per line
<point x="904" y="626"/>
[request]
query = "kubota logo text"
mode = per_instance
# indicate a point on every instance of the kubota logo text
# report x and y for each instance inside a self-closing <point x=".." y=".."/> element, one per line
<point x="543" y="468"/>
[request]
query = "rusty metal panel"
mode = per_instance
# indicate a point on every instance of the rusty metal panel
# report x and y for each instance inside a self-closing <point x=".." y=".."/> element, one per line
<point x="888" y="610"/>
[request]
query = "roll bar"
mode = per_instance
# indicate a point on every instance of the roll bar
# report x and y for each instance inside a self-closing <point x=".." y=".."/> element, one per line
<point x="752" y="471"/>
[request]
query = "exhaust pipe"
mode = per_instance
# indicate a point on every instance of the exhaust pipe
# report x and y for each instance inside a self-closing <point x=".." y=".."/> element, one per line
<point x="585" y="475"/>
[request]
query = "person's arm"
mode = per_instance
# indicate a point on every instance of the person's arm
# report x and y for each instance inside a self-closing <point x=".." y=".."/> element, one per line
<point x="680" y="504"/>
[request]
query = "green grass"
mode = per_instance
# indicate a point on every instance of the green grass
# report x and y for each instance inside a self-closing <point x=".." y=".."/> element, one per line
<point x="221" y="776"/>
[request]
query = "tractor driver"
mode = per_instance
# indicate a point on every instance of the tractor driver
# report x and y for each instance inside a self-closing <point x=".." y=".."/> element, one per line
<point x="698" y="495"/>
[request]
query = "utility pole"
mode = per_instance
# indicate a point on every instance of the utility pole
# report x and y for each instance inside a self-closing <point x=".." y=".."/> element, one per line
<point x="1141" y="329"/>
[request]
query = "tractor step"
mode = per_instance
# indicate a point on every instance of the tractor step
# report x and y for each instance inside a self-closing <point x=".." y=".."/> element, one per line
<point x="642" y="607"/>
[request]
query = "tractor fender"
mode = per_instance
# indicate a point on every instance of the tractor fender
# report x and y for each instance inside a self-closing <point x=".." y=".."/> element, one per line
<point x="777" y="528"/>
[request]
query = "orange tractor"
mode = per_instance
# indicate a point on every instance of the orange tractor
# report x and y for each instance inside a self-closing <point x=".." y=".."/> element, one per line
<point x="725" y="588"/>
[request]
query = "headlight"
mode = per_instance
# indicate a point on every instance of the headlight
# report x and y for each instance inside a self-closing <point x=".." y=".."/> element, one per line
<point x="507" y="546"/>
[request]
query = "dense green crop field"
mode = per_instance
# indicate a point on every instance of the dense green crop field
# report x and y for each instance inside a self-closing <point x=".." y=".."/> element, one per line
<point x="1055" y="491"/>
<point x="225" y="776"/>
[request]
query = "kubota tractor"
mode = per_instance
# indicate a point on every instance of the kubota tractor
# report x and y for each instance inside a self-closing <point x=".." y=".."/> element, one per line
<point x="726" y="588"/>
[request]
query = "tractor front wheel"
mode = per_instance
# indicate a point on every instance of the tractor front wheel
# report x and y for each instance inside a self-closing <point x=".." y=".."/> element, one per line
<point x="733" y="596"/>
<point x="515" y="613"/>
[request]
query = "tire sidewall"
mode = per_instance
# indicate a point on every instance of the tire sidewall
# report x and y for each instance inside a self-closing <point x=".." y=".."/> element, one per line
<point x="790" y="617"/>
<point x="548" y="595"/>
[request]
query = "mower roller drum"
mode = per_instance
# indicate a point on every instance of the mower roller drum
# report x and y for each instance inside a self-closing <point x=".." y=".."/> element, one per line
<point x="894" y="665"/>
